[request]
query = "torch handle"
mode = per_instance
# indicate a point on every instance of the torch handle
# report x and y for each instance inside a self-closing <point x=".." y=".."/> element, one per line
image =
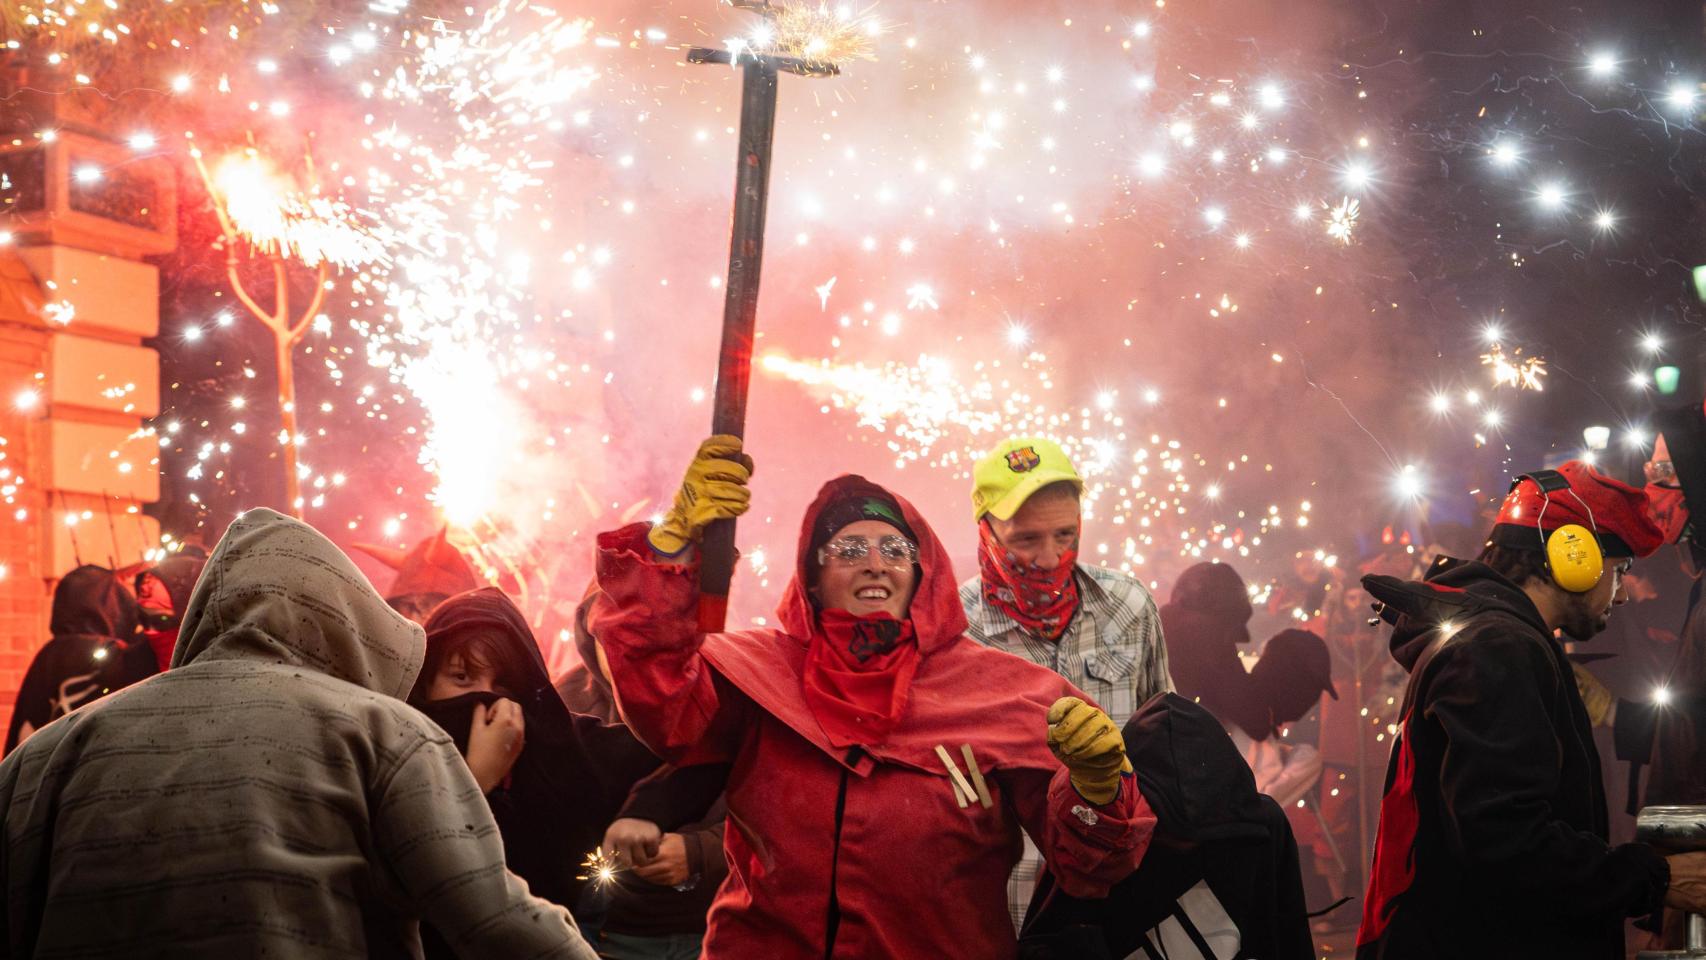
<point x="740" y="316"/>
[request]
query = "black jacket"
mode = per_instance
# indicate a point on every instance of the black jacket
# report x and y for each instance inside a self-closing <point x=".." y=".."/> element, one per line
<point x="1213" y="831"/>
<point x="573" y="774"/>
<point x="94" y="650"/>
<point x="686" y="800"/>
<point x="1493" y="824"/>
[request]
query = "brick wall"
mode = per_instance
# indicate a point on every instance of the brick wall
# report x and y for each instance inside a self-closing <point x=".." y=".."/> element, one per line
<point x="77" y="300"/>
<point x="25" y="586"/>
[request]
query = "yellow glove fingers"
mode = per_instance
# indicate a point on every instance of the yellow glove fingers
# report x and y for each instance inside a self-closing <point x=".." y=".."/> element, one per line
<point x="714" y="488"/>
<point x="726" y="471"/>
<point x="1058" y="712"/>
<point x="723" y="447"/>
<point x="1090" y="746"/>
<point x="1084" y="731"/>
<point x="718" y="445"/>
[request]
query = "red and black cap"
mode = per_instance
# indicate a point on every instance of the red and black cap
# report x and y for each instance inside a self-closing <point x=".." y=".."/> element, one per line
<point x="1545" y="500"/>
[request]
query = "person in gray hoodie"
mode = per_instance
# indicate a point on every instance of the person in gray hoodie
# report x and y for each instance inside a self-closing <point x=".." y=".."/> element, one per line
<point x="270" y="795"/>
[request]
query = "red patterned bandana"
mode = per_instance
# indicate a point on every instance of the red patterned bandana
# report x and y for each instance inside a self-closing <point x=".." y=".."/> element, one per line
<point x="1040" y="601"/>
<point x="858" y="675"/>
<point x="1668" y="509"/>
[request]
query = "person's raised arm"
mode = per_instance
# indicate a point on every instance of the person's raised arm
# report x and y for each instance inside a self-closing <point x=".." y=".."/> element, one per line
<point x="646" y="622"/>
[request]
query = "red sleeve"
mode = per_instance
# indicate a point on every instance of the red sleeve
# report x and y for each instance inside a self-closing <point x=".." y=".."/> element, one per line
<point x="647" y="623"/>
<point x="1088" y="848"/>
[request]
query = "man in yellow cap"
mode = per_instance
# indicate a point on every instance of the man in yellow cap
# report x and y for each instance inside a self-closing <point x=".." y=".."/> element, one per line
<point x="1098" y="628"/>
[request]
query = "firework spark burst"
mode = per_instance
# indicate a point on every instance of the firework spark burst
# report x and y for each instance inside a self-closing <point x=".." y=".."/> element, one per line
<point x="277" y="220"/>
<point x="1341" y="220"/>
<point x="1143" y="487"/>
<point x="816" y="34"/>
<point x="1524" y="373"/>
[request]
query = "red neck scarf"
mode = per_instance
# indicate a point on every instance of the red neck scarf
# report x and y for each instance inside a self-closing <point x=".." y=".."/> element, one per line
<point x="1040" y="601"/>
<point x="858" y="674"/>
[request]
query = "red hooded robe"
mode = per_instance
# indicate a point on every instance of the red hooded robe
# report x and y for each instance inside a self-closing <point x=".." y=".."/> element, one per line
<point x="871" y="844"/>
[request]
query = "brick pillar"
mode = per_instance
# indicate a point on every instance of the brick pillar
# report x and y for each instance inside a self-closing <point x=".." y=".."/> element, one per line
<point x="23" y="586"/>
<point x="76" y="302"/>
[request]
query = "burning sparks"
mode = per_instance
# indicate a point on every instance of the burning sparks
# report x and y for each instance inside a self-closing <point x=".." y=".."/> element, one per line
<point x="1141" y="485"/>
<point x="1524" y="373"/>
<point x="277" y="221"/>
<point x="488" y="304"/>
<point x="1341" y="220"/>
<point x="601" y="868"/>
<point x="815" y="33"/>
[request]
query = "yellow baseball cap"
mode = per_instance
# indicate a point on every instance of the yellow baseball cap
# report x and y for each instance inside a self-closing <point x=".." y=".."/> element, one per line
<point x="1019" y="466"/>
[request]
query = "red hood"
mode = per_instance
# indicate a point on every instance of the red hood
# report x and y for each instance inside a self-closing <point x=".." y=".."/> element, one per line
<point x="432" y="566"/>
<point x="936" y="614"/>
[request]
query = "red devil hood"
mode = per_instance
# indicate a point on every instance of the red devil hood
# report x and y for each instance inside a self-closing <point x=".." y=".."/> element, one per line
<point x="963" y="693"/>
<point x="432" y="566"/>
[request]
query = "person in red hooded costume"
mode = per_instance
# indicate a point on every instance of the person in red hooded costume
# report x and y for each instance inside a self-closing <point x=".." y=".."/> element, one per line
<point x="883" y="764"/>
<point x="428" y="574"/>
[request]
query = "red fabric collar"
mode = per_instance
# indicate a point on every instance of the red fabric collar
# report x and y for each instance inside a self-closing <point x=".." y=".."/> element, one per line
<point x="1040" y="601"/>
<point x="162" y="642"/>
<point x="858" y="675"/>
<point x="958" y="691"/>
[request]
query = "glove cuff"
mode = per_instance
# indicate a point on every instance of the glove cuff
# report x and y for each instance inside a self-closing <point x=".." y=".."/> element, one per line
<point x="1099" y="793"/>
<point x="667" y="542"/>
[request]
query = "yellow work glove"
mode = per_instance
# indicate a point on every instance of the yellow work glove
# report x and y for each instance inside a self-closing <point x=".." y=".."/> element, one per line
<point x="1599" y="700"/>
<point x="714" y="489"/>
<point x="1087" y="742"/>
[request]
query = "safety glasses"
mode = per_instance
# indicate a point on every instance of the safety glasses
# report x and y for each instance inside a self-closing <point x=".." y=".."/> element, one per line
<point x="1660" y="471"/>
<point x="895" y="551"/>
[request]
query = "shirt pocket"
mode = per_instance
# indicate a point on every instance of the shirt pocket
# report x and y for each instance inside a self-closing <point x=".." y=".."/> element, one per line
<point x="1110" y="666"/>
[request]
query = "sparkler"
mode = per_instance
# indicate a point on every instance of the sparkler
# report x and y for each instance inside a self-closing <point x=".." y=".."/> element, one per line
<point x="264" y="210"/>
<point x="601" y="868"/>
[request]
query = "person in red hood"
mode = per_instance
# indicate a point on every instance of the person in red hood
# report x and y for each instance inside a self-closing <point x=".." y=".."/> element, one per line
<point x="884" y="765"/>
<point x="428" y="574"/>
<point x="162" y="592"/>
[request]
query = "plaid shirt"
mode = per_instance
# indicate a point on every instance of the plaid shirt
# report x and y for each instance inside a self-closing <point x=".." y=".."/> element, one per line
<point x="1112" y="650"/>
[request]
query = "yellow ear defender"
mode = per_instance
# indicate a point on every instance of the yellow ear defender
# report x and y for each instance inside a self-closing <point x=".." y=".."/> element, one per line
<point x="1574" y="557"/>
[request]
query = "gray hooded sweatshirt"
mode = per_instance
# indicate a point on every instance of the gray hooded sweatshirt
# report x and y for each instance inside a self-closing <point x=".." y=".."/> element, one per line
<point x="269" y="796"/>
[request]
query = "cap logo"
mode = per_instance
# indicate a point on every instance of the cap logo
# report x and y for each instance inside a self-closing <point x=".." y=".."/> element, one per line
<point x="877" y="510"/>
<point x="1023" y="460"/>
<point x="1575" y="548"/>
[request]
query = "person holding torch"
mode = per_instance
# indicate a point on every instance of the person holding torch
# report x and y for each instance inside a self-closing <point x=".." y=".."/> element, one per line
<point x="884" y="765"/>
